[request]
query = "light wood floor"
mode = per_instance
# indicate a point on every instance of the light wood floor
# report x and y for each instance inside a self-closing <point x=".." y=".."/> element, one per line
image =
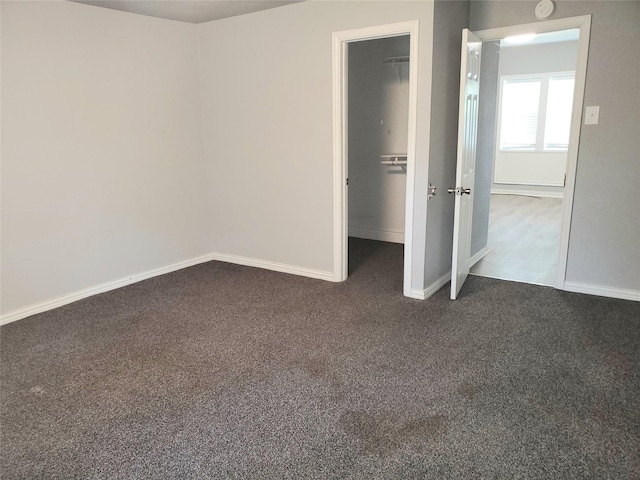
<point x="524" y="239"/>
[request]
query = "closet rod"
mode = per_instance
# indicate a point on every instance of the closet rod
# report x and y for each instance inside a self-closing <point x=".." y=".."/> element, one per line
<point x="393" y="162"/>
<point x="404" y="59"/>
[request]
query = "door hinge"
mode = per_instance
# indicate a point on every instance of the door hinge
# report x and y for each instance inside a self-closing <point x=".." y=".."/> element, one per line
<point x="347" y="180"/>
<point x="564" y="182"/>
<point x="431" y="191"/>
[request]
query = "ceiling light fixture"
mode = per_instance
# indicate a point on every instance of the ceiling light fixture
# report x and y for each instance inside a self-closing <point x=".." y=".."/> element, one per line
<point x="519" y="39"/>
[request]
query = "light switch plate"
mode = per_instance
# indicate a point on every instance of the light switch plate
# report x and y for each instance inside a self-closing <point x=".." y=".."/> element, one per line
<point x="591" y="115"/>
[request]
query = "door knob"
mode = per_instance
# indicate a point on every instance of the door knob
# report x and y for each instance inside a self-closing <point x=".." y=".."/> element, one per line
<point x="465" y="190"/>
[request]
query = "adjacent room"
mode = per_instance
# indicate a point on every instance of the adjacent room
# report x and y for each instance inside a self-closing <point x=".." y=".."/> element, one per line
<point x="174" y="199"/>
<point x="526" y="103"/>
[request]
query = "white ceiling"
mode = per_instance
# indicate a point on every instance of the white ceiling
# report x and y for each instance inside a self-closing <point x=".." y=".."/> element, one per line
<point x="192" y="11"/>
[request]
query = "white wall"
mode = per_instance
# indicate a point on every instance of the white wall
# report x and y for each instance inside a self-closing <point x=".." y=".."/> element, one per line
<point x="538" y="58"/>
<point x="604" y="251"/>
<point x="267" y="103"/>
<point x="378" y="124"/>
<point x="529" y="168"/>
<point x="102" y="167"/>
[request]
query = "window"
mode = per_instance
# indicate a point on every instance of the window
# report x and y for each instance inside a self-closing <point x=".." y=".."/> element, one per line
<point x="520" y="105"/>
<point x="558" y="121"/>
<point x="535" y="112"/>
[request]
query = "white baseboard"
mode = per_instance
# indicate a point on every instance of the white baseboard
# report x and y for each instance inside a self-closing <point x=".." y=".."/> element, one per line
<point x="104" y="287"/>
<point x="602" y="291"/>
<point x="381" y="235"/>
<point x="277" y="267"/>
<point x="478" y="256"/>
<point x="527" y="193"/>
<point x="431" y="289"/>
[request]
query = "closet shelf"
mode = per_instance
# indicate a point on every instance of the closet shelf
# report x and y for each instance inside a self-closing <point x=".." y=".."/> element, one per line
<point x="394" y="159"/>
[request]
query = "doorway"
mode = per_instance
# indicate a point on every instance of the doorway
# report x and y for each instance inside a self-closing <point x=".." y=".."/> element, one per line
<point x="525" y="109"/>
<point x="393" y="160"/>
<point x="378" y="106"/>
<point x="465" y="255"/>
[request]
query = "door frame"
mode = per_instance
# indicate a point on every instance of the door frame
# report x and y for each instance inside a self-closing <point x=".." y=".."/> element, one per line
<point x="583" y="23"/>
<point x="340" y="141"/>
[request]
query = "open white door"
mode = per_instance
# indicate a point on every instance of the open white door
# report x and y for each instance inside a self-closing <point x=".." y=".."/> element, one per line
<point x="465" y="169"/>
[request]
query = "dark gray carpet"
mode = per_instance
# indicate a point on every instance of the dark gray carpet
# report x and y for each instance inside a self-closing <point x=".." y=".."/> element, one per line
<point x="223" y="371"/>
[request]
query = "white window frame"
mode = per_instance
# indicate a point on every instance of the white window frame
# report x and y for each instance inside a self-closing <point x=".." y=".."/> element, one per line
<point x="544" y="79"/>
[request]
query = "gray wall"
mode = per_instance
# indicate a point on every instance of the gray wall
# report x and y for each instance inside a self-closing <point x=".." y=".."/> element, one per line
<point x="603" y="249"/>
<point x="486" y="141"/>
<point x="102" y="150"/>
<point x="378" y="124"/>
<point x="450" y="18"/>
<point x="268" y="126"/>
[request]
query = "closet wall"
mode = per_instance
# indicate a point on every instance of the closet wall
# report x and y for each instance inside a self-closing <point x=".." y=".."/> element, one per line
<point x="378" y="121"/>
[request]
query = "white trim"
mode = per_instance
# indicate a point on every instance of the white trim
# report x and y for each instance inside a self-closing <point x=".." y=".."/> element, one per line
<point x="431" y="289"/>
<point x="509" y="181"/>
<point x="601" y="291"/>
<point x="381" y="235"/>
<point x="572" y="154"/>
<point x="538" y="27"/>
<point x="340" y="122"/>
<point x="527" y="193"/>
<point x="104" y="287"/>
<point x="274" y="266"/>
<point x="584" y="24"/>
<point x="479" y="256"/>
<point x="340" y="196"/>
<point x="412" y="141"/>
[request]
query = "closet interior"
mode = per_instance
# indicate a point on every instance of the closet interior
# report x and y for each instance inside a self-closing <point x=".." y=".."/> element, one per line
<point x="378" y="107"/>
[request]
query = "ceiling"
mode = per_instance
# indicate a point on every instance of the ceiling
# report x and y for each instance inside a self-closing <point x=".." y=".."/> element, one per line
<point x="191" y="11"/>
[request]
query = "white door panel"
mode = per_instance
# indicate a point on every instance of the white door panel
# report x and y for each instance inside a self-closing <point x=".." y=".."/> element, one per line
<point x="466" y="159"/>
